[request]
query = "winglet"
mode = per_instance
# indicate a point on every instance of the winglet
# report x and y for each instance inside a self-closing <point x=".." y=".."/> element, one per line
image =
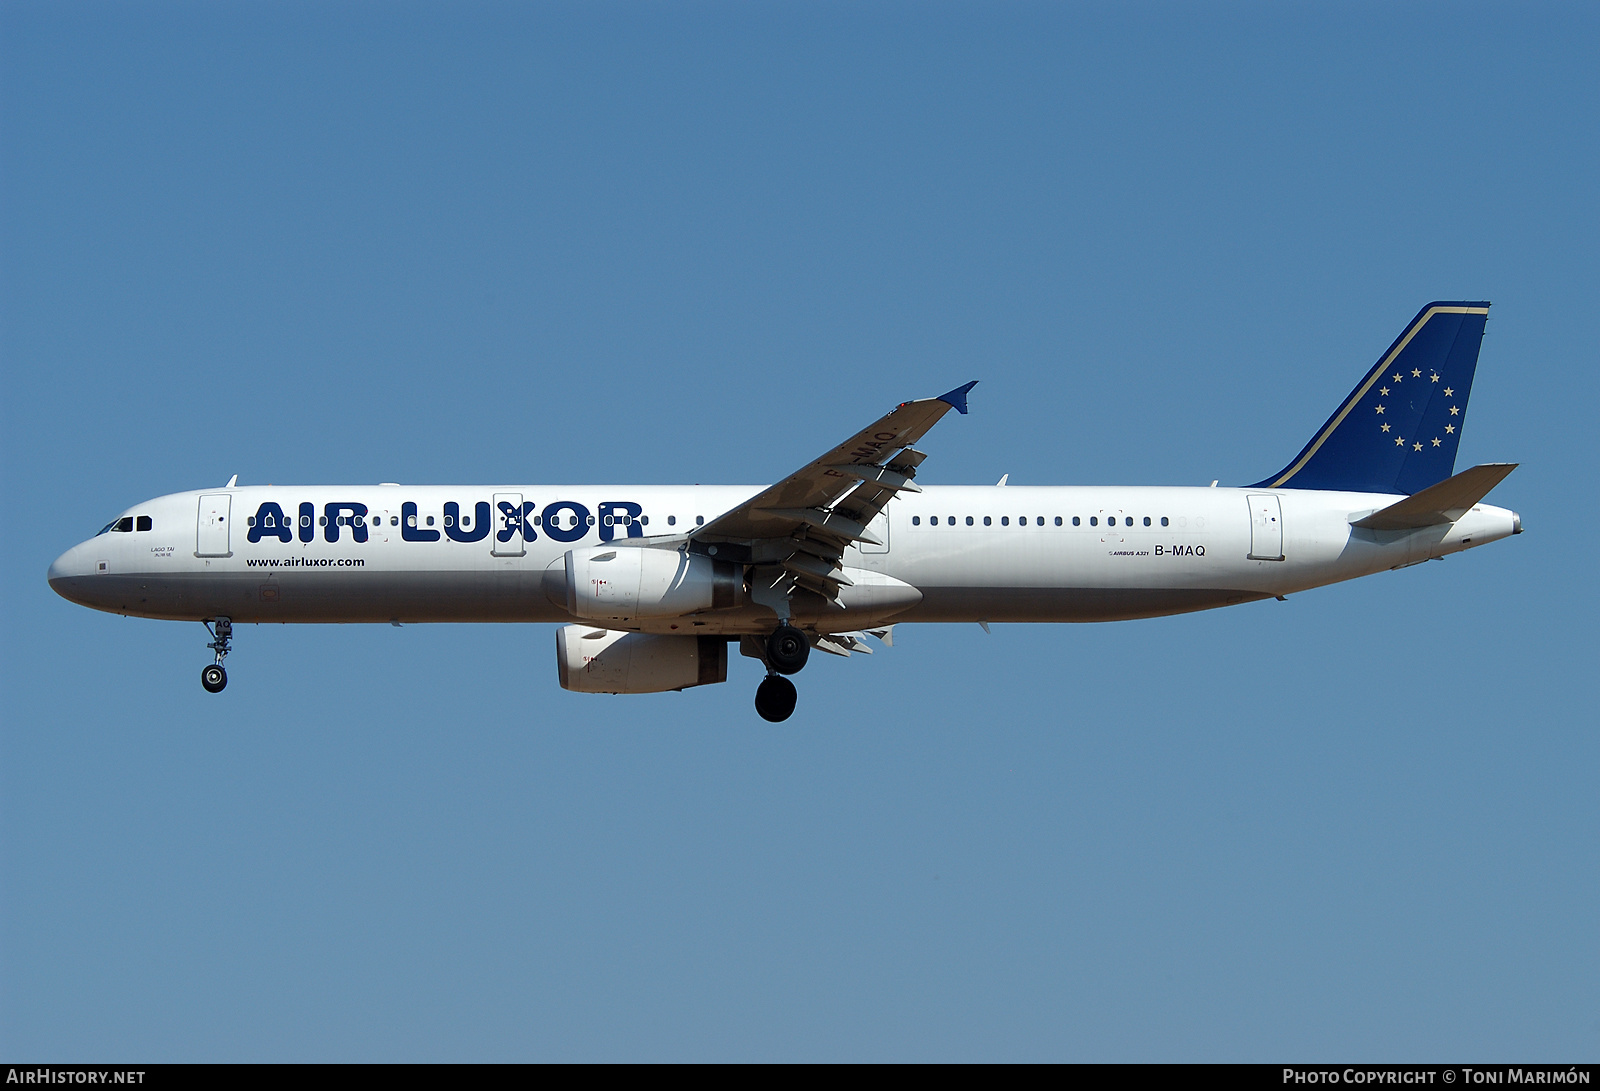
<point x="958" y="397"/>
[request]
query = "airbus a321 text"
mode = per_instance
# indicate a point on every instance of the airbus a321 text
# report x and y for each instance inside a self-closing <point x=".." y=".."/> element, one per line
<point x="655" y="582"/>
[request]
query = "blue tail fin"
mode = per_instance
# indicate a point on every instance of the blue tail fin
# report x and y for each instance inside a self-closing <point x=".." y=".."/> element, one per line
<point x="1398" y="430"/>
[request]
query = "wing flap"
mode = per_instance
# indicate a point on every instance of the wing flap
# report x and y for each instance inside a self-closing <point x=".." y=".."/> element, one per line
<point x="847" y="487"/>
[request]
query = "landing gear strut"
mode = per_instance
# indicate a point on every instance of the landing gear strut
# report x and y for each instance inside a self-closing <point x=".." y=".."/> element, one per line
<point x="775" y="698"/>
<point x="215" y="676"/>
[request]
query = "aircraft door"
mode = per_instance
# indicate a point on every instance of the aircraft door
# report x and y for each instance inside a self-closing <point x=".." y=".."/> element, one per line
<point x="508" y="539"/>
<point x="878" y="528"/>
<point x="1266" y="529"/>
<point x="212" y="534"/>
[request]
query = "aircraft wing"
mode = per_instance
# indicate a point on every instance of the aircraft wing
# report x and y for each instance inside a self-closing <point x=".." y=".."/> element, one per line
<point x="806" y="521"/>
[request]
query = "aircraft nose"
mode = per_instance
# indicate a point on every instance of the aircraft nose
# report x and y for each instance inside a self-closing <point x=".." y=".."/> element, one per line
<point x="66" y="570"/>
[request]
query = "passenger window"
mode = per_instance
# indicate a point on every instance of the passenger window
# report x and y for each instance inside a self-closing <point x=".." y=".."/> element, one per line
<point x="1146" y="520"/>
<point x="144" y="522"/>
<point x="1128" y="521"/>
<point x="322" y="520"/>
<point x="1077" y="521"/>
<point x="987" y="521"/>
<point x="1163" y="520"/>
<point x="1094" y="520"/>
<point x="448" y="521"/>
<point x="250" y="521"/>
<point x="1005" y="520"/>
<point x="672" y="520"/>
<point x="969" y="520"/>
<point x="644" y="520"/>
<point x="411" y="520"/>
<point x="1041" y="520"/>
<point x="1058" y="520"/>
<point x="699" y="520"/>
<point x="305" y="520"/>
<point x="916" y="520"/>
<point x="430" y="520"/>
<point x="591" y="520"/>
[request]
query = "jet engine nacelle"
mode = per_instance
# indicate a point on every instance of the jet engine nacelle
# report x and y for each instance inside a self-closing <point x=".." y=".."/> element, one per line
<point x="594" y="660"/>
<point x="621" y="584"/>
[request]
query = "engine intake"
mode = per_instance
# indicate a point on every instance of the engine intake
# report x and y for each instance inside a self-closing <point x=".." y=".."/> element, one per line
<point x="594" y="660"/>
<point x="622" y="584"/>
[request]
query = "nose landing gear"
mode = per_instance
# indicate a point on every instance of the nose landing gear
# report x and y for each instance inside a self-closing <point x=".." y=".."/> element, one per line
<point x="215" y="676"/>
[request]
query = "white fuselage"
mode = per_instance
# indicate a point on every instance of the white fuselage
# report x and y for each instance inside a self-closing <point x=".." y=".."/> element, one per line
<point x="992" y="554"/>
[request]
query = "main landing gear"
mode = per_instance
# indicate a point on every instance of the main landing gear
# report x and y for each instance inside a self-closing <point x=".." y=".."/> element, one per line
<point x="215" y="676"/>
<point x="786" y="653"/>
<point x="787" y="649"/>
<point x="775" y="698"/>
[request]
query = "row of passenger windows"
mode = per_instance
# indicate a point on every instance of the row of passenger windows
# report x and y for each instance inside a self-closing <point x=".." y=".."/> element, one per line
<point x="428" y="520"/>
<point x="127" y="524"/>
<point x="1039" y="520"/>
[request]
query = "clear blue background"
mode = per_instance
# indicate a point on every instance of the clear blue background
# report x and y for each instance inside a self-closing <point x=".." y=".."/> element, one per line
<point x="664" y="243"/>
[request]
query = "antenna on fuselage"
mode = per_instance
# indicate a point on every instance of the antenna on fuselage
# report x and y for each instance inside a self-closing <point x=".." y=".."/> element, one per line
<point x="232" y="481"/>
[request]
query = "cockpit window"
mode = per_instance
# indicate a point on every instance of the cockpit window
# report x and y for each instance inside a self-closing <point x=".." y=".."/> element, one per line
<point x="124" y="525"/>
<point x="144" y="522"/>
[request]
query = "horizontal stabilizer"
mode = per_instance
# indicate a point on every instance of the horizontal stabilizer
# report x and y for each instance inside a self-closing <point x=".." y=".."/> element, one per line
<point x="1445" y="502"/>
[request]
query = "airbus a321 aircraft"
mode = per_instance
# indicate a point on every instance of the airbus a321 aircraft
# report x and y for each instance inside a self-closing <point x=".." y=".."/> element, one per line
<point x="655" y="582"/>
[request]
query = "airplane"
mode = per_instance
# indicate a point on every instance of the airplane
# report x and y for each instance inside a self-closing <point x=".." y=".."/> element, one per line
<point x="653" y="583"/>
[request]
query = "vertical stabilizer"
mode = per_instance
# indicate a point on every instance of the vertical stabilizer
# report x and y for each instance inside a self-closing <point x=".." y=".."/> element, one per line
<point x="1398" y="430"/>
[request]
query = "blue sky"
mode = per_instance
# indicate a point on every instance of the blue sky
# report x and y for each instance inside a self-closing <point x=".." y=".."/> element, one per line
<point x="647" y="243"/>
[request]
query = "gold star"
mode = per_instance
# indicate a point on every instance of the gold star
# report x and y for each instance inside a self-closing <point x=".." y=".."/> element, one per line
<point x="1436" y="441"/>
<point x="1434" y="376"/>
<point x="1449" y="428"/>
<point x="1416" y="446"/>
<point x="1384" y="391"/>
<point x="1395" y="376"/>
<point x="1380" y="409"/>
<point x="1455" y="410"/>
<point x="1449" y="393"/>
<point x="1415" y="374"/>
<point x="1399" y="441"/>
<point x="1383" y="427"/>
